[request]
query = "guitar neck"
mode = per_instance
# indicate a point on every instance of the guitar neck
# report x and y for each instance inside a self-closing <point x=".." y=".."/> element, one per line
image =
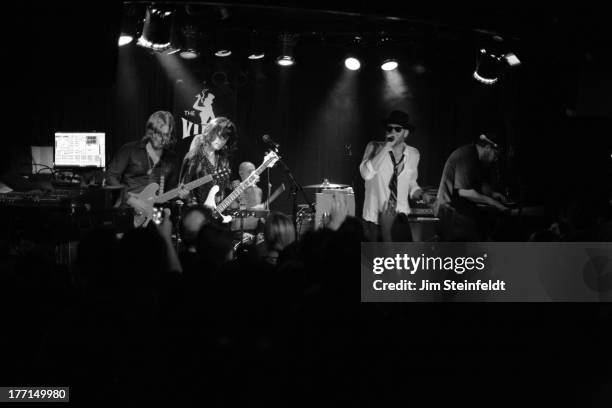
<point x="236" y="193"/>
<point x="162" y="198"/>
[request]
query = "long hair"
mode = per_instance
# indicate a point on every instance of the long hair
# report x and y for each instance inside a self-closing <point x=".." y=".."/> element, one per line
<point x="279" y="231"/>
<point x="219" y="126"/>
<point x="154" y="124"/>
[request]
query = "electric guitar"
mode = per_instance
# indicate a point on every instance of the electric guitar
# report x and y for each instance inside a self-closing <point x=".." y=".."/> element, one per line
<point x="143" y="202"/>
<point x="269" y="160"/>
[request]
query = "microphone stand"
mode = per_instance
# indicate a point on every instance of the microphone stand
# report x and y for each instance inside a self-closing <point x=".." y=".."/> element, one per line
<point x="295" y="187"/>
<point x="269" y="186"/>
<point x="349" y="159"/>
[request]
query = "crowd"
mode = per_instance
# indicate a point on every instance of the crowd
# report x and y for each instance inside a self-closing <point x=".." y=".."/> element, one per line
<point x="136" y="320"/>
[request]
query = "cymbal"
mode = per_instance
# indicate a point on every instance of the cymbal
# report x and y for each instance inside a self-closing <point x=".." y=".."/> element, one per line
<point x="327" y="184"/>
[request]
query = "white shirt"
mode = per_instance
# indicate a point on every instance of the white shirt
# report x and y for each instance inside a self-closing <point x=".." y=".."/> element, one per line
<point x="377" y="181"/>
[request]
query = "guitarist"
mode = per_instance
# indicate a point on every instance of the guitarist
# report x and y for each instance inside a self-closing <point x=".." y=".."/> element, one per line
<point x="140" y="163"/>
<point x="209" y="153"/>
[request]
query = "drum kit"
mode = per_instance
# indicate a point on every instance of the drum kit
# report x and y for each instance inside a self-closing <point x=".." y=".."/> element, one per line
<point x="246" y="222"/>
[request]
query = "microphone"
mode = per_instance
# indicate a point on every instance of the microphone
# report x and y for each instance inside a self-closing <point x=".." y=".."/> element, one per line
<point x="486" y="139"/>
<point x="268" y="140"/>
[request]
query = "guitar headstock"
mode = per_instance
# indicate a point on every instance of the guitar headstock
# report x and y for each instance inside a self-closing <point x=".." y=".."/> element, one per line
<point x="221" y="174"/>
<point x="271" y="158"/>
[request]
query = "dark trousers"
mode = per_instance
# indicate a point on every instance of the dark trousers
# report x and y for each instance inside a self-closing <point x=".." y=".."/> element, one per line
<point x="371" y="231"/>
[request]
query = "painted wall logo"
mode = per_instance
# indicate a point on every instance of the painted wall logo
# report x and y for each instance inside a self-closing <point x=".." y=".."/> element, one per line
<point x="203" y="107"/>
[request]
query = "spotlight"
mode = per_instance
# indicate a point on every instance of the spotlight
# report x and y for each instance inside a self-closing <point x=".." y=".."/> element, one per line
<point x="189" y="54"/>
<point x="256" y="55"/>
<point x="488" y="67"/>
<point x="222" y="44"/>
<point x="287" y="44"/>
<point x="512" y="59"/>
<point x="256" y="47"/>
<point x="387" y="50"/>
<point x="285" y="61"/>
<point x="352" y="60"/>
<point x="389" y="65"/>
<point x="157" y="29"/>
<point x="223" y="52"/>
<point x="352" y="63"/>
<point x="129" y="25"/>
<point x="190" y="49"/>
<point x="125" y="39"/>
<point x="492" y="60"/>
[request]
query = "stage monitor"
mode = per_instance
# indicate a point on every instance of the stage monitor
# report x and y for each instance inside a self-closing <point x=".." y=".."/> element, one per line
<point x="80" y="149"/>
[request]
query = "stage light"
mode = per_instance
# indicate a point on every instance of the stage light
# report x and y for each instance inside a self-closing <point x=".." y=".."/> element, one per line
<point x="256" y="56"/>
<point x="285" y="61"/>
<point x="512" y="59"/>
<point x="129" y="24"/>
<point x="189" y="54"/>
<point x="223" y="52"/>
<point x="256" y="47"/>
<point x="286" y="44"/>
<point x="493" y="58"/>
<point x="352" y="63"/>
<point x="488" y="67"/>
<point x="190" y="48"/>
<point x="125" y="40"/>
<point x="387" y="54"/>
<point x="389" y="65"/>
<point x="354" y="56"/>
<point x="157" y="29"/>
<point x="222" y="43"/>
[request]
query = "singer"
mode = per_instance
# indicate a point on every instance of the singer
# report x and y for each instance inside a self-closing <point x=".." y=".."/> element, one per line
<point x="140" y="163"/>
<point x="390" y="172"/>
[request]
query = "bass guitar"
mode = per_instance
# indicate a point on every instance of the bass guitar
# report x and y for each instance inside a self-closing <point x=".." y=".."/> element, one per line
<point x="269" y="160"/>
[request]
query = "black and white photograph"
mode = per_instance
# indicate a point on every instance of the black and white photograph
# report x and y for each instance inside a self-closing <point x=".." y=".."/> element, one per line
<point x="306" y="203"/>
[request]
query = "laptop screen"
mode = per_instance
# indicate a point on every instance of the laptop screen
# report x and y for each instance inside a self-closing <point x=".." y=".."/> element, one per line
<point x="80" y="149"/>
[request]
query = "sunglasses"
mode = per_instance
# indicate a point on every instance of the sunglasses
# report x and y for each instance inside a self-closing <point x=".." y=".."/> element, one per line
<point x="396" y="129"/>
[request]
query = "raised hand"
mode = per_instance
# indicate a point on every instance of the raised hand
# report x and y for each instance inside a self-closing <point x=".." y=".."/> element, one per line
<point x="338" y="212"/>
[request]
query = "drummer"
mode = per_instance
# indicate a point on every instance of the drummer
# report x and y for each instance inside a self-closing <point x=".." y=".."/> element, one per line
<point x="250" y="199"/>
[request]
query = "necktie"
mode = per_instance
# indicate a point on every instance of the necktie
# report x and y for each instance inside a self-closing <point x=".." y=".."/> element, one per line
<point x="393" y="182"/>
